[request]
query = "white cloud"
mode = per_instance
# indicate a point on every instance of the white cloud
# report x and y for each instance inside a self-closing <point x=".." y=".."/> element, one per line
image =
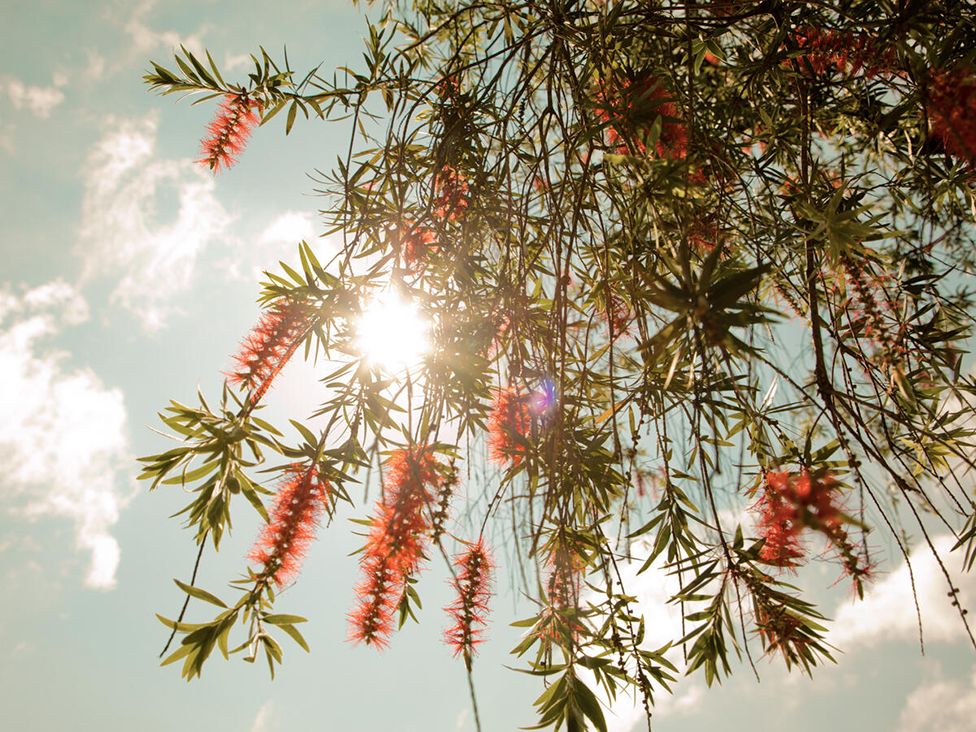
<point x="235" y="61"/>
<point x="62" y="435"/>
<point x="95" y="68"/>
<point x="288" y="229"/>
<point x="888" y="610"/>
<point x="38" y="100"/>
<point x="121" y="233"/>
<point x="946" y="706"/>
<point x="278" y="241"/>
<point x="263" y="721"/>
<point x="146" y="39"/>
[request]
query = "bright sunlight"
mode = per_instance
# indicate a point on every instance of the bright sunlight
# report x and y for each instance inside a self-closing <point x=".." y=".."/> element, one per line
<point x="392" y="332"/>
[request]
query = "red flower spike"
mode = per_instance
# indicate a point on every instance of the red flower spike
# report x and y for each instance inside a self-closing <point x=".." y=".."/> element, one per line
<point x="632" y="108"/>
<point x="396" y="543"/>
<point x="269" y="346"/>
<point x="236" y="117"/>
<point x="283" y="541"/>
<point x="452" y="194"/>
<point x="952" y="111"/>
<point x="472" y="586"/>
<point x="618" y="315"/>
<point x="372" y="621"/>
<point x="779" y="522"/>
<point x="794" y="502"/>
<point x="415" y="245"/>
<point x="704" y="236"/>
<point x="844" y="51"/>
<point x="509" y="420"/>
<point x="563" y="583"/>
<point x="565" y="578"/>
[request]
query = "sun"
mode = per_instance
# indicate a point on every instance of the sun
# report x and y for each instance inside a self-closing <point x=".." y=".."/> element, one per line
<point x="392" y="333"/>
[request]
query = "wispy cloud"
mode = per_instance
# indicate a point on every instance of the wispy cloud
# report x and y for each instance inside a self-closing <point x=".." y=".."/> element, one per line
<point x="940" y="704"/>
<point x="278" y="240"/>
<point x="888" y="609"/>
<point x="263" y="721"/>
<point x="121" y="234"/>
<point x="62" y="437"/>
<point x="146" y="39"/>
<point x="287" y="229"/>
<point x="40" y="101"/>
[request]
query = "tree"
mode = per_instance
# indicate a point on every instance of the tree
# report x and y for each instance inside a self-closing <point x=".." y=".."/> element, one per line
<point x="697" y="278"/>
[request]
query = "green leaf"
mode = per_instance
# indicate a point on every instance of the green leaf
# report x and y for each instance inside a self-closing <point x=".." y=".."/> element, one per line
<point x="200" y="594"/>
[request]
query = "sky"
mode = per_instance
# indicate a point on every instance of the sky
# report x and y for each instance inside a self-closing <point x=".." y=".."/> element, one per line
<point x="129" y="274"/>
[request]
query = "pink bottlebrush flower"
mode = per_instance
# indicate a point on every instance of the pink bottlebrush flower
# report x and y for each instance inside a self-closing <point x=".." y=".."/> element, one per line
<point x="396" y="542"/>
<point x="952" y="111"/>
<point x="472" y="586"/>
<point x="269" y="346"/>
<point x="510" y="419"/>
<point x="281" y="546"/>
<point x="631" y="109"/>
<point x="452" y="194"/>
<point x="236" y="117"/>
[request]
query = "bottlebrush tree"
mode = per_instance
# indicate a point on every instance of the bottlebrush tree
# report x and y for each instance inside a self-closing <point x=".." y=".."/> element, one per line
<point x="696" y="280"/>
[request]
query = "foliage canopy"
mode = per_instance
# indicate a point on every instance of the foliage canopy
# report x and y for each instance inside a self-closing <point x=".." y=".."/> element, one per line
<point x="698" y="278"/>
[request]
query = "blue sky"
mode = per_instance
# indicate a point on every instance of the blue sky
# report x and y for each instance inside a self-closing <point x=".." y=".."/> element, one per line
<point x="129" y="274"/>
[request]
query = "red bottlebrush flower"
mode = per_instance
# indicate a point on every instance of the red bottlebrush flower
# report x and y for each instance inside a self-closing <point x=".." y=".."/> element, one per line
<point x="472" y="586"/>
<point x="451" y="194"/>
<point x="704" y="236"/>
<point x="844" y="51"/>
<point x="779" y="522"/>
<point x="269" y="346"/>
<point x="396" y="542"/>
<point x="372" y="620"/>
<point x="873" y="315"/>
<point x="632" y="107"/>
<point x="565" y="577"/>
<point x="789" y="299"/>
<point x="292" y="522"/>
<point x="236" y="117"/>
<point x="415" y="245"/>
<point x="793" y="502"/>
<point x="618" y="315"/>
<point x="781" y="632"/>
<point x="510" y="419"/>
<point x="449" y="87"/>
<point x="952" y="111"/>
<point x="563" y="584"/>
